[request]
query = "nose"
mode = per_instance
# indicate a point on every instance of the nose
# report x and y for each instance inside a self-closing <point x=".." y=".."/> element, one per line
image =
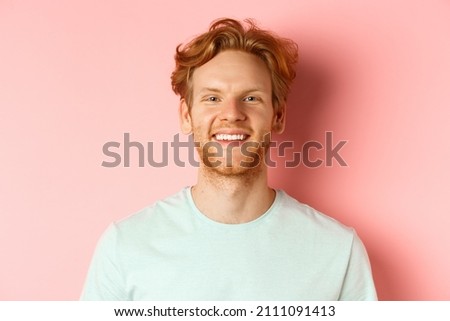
<point x="232" y="111"/>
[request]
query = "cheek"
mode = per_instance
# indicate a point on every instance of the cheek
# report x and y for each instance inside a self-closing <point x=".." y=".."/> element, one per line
<point x="265" y="120"/>
<point x="203" y="119"/>
<point x="201" y="126"/>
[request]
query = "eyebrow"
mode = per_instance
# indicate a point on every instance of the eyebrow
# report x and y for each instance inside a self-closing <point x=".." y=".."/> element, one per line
<point x="217" y="90"/>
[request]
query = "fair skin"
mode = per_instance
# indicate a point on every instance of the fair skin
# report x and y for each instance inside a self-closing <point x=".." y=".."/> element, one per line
<point x="231" y="108"/>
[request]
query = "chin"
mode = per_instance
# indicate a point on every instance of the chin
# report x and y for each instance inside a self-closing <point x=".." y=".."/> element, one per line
<point x="233" y="172"/>
<point x="240" y="166"/>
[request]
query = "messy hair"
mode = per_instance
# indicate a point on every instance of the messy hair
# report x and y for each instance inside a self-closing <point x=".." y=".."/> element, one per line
<point x="279" y="54"/>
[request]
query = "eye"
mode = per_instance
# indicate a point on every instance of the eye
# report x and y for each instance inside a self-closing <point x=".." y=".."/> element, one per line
<point x="251" y="99"/>
<point x="212" y="99"/>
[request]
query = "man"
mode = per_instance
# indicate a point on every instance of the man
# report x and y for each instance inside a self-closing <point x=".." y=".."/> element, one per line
<point x="231" y="236"/>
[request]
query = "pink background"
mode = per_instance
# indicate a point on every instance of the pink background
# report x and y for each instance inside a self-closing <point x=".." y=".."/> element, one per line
<point x="77" y="74"/>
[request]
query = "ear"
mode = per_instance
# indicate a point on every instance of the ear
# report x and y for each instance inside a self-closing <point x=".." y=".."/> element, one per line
<point x="279" y="119"/>
<point x="185" y="118"/>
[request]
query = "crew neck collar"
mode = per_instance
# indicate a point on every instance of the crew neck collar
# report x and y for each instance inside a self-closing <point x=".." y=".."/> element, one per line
<point x="263" y="217"/>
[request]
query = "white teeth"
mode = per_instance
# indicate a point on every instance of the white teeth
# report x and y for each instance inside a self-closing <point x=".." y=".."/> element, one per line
<point x="230" y="137"/>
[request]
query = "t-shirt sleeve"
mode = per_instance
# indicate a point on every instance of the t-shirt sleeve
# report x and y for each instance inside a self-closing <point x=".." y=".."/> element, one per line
<point x="104" y="281"/>
<point x="358" y="283"/>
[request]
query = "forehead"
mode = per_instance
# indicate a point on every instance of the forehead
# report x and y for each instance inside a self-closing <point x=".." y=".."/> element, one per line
<point x="232" y="70"/>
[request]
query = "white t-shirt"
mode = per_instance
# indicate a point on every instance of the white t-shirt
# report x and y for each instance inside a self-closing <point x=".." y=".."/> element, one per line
<point x="171" y="251"/>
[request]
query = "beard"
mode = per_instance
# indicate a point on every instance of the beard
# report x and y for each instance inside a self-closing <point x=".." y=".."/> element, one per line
<point x="233" y="160"/>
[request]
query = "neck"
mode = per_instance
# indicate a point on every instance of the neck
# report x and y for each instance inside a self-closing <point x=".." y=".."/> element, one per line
<point x="232" y="199"/>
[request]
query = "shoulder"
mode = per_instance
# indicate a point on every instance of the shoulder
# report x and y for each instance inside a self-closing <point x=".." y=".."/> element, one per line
<point x="157" y="216"/>
<point x="309" y="220"/>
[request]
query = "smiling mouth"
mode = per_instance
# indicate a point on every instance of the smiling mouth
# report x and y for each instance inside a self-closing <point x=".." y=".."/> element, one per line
<point x="230" y="137"/>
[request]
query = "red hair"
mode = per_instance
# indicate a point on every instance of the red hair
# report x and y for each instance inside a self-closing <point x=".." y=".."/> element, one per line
<point x="279" y="54"/>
